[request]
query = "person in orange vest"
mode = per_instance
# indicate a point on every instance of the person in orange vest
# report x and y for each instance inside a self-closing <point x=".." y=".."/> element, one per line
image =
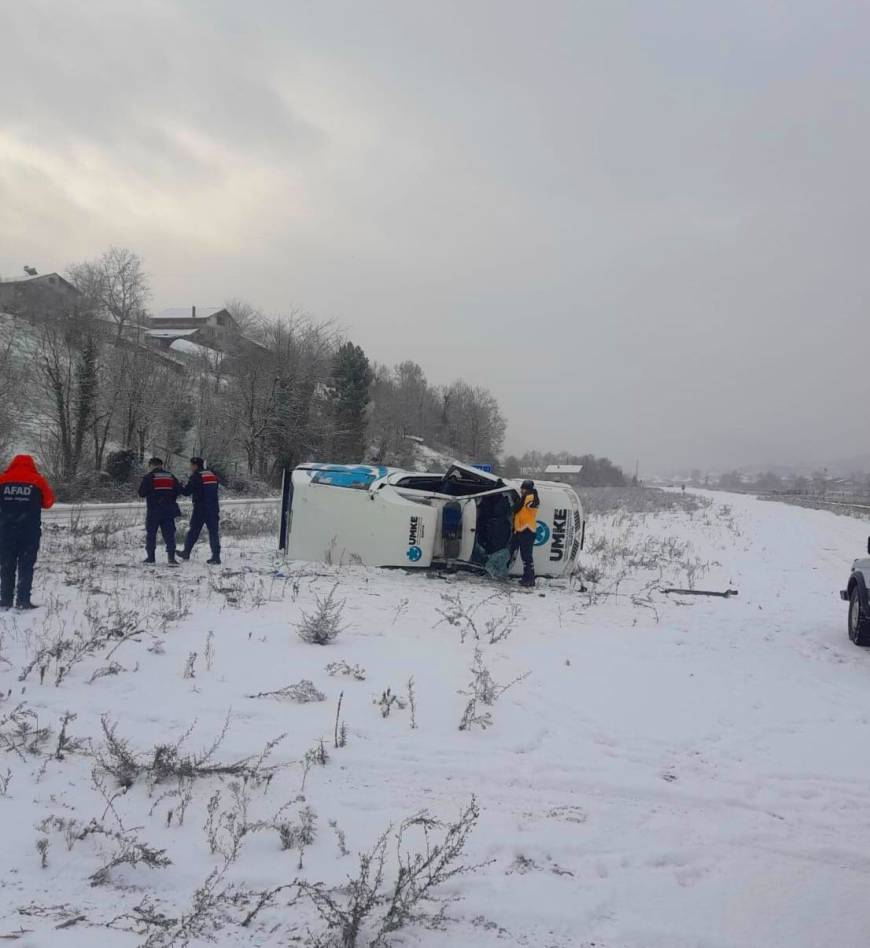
<point x="525" y="530"/>
<point x="24" y="494"/>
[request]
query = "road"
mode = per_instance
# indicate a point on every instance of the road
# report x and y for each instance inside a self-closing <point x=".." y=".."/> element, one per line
<point x="133" y="512"/>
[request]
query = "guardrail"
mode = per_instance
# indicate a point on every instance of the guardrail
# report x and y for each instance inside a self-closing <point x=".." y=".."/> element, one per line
<point x="816" y="503"/>
<point x="801" y="499"/>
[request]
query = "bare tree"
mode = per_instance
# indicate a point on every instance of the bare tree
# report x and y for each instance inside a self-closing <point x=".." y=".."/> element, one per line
<point x="214" y="421"/>
<point x="165" y="424"/>
<point x="465" y="418"/>
<point x="403" y="403"/>
<point x="12" y="393"/>
<point x="138" y="396"/>
<point x="253" y="400"/>
<point x="67" y="368"/>
<point x="300" y="424"/>
<point x="106" y="405"/>
<point x="116" y="283"/>
<point x="472" y="421"/>
<point x="249" y="319"/>
<point x="132" y="397"/>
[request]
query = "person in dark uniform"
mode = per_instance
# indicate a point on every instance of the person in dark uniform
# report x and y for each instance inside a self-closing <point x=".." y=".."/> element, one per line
<point x="202" y="487"/>
<point x="525" y="530"/>
<point x="24" y="494"/>
<point x="160" y="490"/>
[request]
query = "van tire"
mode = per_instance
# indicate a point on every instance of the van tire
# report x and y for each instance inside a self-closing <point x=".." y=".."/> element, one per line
<point x="859" y="622"/>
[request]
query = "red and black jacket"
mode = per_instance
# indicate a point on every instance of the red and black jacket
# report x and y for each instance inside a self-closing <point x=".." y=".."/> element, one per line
<point x="24" y="494"/>
<point x="160" y="490"/>
<point x="202" y="488"/>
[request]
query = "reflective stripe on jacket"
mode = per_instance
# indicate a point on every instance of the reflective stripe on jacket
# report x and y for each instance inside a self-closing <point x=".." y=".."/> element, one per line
<point x="160" y="490"/>
<point x="202" y="487"/>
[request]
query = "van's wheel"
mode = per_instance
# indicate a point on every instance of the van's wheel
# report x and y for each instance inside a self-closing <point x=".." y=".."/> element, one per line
<point x="859" y="624"/>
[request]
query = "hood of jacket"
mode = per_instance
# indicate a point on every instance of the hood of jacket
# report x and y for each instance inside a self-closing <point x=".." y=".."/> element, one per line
<point x="22" y="463"/>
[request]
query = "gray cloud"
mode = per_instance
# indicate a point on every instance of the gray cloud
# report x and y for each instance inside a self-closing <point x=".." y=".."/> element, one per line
<point x="642" y="225"/>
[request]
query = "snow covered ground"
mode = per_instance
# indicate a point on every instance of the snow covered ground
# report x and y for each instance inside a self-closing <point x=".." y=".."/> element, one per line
<point x="673" y="771"/>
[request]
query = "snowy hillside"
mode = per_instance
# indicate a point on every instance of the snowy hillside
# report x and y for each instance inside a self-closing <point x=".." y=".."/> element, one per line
<point x="31" y="412"/>
<point x="427" y="458"/>
<point x="662" y="771"/>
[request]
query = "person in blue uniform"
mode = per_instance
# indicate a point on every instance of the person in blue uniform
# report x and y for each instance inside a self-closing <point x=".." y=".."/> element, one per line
<point x="160" y="490"/>
<point x="202" y="487"/>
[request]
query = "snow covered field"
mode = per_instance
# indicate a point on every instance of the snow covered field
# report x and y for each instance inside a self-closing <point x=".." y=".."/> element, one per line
<point x="671" y="772"/>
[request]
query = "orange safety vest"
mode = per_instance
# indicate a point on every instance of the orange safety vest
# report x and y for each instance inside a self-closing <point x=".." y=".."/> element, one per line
<point x="526" y="518"/>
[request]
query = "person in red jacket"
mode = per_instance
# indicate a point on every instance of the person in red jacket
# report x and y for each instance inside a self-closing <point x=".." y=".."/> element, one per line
<point x="24" y="494"/>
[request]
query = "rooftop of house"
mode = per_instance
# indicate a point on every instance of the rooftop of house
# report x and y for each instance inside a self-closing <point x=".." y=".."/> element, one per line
<point x="51" y="278"/>
<point x="188" y="348"/>
<point x="188" y="312"/>
<point x="563" y="468"/>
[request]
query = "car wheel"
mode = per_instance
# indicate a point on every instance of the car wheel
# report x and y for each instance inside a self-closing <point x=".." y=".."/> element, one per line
<point x="859" y="624"/>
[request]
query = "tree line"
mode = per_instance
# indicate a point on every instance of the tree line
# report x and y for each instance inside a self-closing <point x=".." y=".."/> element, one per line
<point x="769" y="482"/>
<point x="293" y="388"/>
<point x="594" y="472"/>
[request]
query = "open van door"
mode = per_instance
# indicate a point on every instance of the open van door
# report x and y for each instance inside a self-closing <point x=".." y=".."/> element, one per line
<point x="472" y="476"/>
<point x="469" y="530"/>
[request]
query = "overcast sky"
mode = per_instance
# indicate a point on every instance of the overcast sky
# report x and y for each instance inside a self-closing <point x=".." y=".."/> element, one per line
<point x="644" y="226"/>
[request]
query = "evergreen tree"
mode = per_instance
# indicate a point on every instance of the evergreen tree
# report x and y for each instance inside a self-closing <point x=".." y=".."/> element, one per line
<point x="351" y="381"/>
<point x="84" y="402"/>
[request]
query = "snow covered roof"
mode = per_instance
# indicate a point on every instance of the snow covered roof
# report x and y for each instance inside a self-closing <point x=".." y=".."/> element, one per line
<point x="563" y="468"/>
<point x="186" y="312"/>
<point x="52" y="278"/>
<point x="186" y="347"/>
<point x="171" y="333"/>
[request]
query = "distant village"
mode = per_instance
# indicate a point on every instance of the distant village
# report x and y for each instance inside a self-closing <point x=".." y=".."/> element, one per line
<point x="821" y="485"/>
<point x="101" y="382"/>
<point x="177" y="334"/>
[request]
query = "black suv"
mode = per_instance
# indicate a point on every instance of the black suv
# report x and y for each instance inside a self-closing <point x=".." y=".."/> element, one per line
<point x="855" y="594"/>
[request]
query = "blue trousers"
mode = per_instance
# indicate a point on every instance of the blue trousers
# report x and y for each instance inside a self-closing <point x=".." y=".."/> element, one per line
<point x="18" y="551"/>
<point x="524" y="541"/>
<point x="210" y="519"/>
<point x="166" y="525"/>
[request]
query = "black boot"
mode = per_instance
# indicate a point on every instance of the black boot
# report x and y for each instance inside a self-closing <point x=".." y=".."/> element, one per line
<point x="5" y="605"/>
<point x="183" y="555"/>
<point x="149" y="560"/>
<point x="25" y="604"/>
<point x="214" y="561"/>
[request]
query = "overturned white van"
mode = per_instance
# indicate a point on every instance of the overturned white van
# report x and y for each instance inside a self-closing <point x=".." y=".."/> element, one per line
<point x="379" y="516"/>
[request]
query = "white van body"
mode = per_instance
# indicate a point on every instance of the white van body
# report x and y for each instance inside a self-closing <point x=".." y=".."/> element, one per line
<point x="379" y="516"/>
